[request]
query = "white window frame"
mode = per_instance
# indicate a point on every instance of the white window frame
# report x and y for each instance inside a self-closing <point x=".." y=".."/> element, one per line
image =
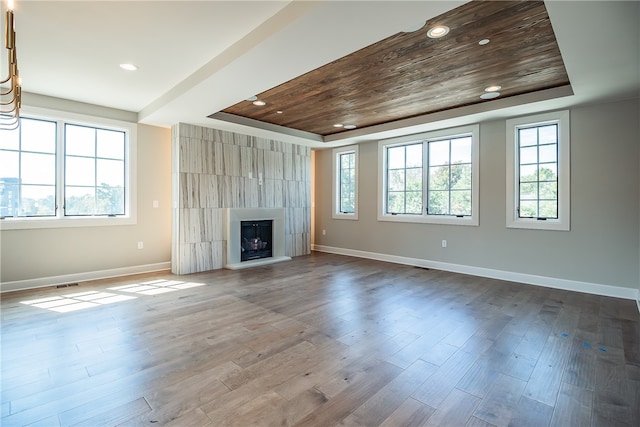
<point x="335" y="208"/>
<point x="474" y="218"/>
<point x="563" y="222"/>
<point x="60" y="220"/>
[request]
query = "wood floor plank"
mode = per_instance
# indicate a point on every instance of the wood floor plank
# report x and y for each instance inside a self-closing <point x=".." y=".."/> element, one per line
<point x="573" y="408"/>
<point x="379" y="406"/>
<point x="498" y="406"/>
<point x="455" y="410"/>
<point x="323" y="340"/>
<point x="409" y="413"/>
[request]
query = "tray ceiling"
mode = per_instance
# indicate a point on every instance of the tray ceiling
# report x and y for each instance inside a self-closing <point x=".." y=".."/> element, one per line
<point x="409" y="74"/>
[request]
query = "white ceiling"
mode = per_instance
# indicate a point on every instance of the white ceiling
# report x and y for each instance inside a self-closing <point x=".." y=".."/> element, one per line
<point x="199" y="57"/>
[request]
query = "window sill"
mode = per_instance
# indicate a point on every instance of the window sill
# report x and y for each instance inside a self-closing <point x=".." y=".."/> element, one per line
<point x="352" y="217"/>
<point x="35" y="223"/>
<point x="534" y="224"/>
<point x="422" y="219"/>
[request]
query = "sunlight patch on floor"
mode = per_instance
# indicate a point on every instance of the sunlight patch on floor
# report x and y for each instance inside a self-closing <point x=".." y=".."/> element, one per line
<point x="88" y="299"/>
<point x="77" y="301"/>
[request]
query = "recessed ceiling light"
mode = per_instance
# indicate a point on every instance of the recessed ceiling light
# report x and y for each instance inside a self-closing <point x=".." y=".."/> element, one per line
<point x="438" y="31"/>
<point x="338" y="125"/>
<point x="252" y="98"/>
<point x="483" y="42"/>
<point x="128" y="67"/>
<point x="490" y="95"/>
<point x="349" y="126"/>
<point x="279" y="112"/>
<point x="259" y="103"/>
<point x="493" y="88"/>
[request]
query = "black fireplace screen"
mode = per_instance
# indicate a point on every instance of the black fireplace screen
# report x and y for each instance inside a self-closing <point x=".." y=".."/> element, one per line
<point x="256" y="239"/>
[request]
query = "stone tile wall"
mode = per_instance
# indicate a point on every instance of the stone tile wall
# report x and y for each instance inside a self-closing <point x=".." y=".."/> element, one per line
<point x="214" y="170"/>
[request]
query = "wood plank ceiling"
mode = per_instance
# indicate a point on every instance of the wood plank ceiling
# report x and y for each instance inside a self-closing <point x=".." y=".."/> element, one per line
<point x="410" y="74"/>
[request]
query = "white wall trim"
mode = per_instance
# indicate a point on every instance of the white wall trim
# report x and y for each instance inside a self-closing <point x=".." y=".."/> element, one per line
<point x="530" y="279"/>
<point x="42" y="282"/>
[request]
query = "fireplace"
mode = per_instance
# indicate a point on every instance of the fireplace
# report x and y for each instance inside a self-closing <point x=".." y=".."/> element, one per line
<point x="256" y="239"/>
<point x="264" y="244"/>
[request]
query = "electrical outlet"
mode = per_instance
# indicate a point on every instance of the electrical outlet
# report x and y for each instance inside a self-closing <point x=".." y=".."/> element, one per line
<point x="324" y="232"/>
<point x="155" y="204"/>
<point x="444" y="243"/>
<point x="140" y="245"/>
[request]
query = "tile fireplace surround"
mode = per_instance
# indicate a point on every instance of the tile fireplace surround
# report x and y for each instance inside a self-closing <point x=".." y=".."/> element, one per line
<point x="214" y="171"/>
<point x="232" y="220"/>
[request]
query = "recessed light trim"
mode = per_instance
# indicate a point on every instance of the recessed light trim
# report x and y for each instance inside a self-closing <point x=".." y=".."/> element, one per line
<point x="128" y="67"/>
<point x="494" y="88"/>
<point x="490" y="95"/>
<point x="279" y="112"/>
<point x="338" y="125"/>
<point x="259" y="103"/>
<point x="349" y="126"/>
<point x="438" y="31"/>
<point x="484" y="42"/>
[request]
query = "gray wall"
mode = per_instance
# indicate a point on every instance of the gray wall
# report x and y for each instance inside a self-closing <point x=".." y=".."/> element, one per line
<point x="601" y="248"/>
<point x="43" y="253"/>
<point x="214" y="170"/>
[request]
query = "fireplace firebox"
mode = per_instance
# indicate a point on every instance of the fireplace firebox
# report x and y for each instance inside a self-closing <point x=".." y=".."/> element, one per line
<point x="256" y="239"/>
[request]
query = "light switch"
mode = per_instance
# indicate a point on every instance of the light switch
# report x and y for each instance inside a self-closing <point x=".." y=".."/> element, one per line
<point x="155" y="204"/>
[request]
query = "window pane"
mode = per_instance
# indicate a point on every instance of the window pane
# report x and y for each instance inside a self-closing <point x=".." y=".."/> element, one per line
<point x="461" y="202"/>
<point x="439" y="178"/>
<point x="110" y="172"/>
<point x="548" y="209"/>
<point x="80" y="141"/>
<point x="10" y="139"/>
<point x="461" y="177"/>
<point x="38" y="168"/>
<point x="110" y="144"/>
<point x="414" y="202"/>
<point x="548" y="153"/>
<point x="439" y="153"/>
<point x="549" y="190"/>
<point x="548" y="134"/>
<point x="80" y="200"/>
<point x="461" y="150"/>
<point x="38" y="200"/>
<point x="529" y="173"/>
<point x="548" y="172"/>
<point x="9" y="197"/>
<point x="528" y="137"/>
<point x="396" y="180"/>
<point x="395" y="202"/>
<point x="438" y="203"/>
<point x="529" y="155"/>
<point x="414" y="156"/>
<point x="395" y="157"/>
<point x="80" y="171"/>
<point x="109" y="200"/>
<point x="38" y="135"/>
<point x="528" y="209"/>
<point x="414" y="179"/>
<point x="9" y="164"/>
<point x="529" y="191"/>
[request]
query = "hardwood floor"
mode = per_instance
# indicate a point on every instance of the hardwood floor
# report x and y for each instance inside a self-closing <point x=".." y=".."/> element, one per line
<point x="322" y="340"/>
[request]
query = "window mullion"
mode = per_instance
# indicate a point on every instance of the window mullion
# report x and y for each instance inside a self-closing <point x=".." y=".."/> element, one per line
<point x="60" y="167"/>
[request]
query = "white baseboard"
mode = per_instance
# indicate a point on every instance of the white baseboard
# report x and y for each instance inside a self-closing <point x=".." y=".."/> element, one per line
<point x="42" y="282"/>
<point x="530" y="279"/>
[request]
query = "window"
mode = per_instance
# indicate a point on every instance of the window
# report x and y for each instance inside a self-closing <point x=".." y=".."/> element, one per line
<point x="66" y="171"/>
<point x="345" y="188"/>
<point x="431" y="177"/>
<point x="538" y="172"/>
